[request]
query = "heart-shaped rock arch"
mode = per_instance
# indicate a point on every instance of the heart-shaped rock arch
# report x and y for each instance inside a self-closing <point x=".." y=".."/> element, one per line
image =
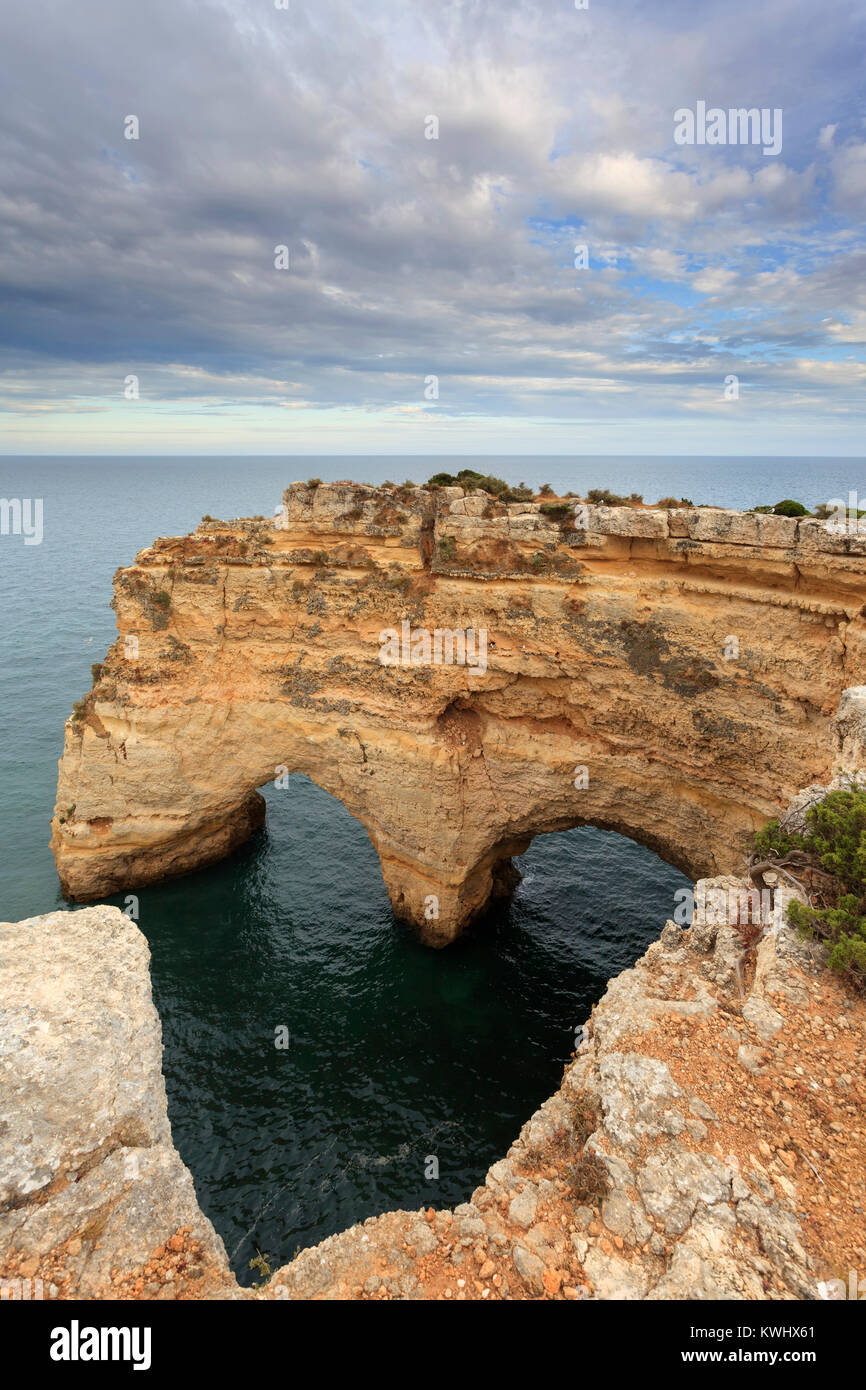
<point x="671" y="675"/>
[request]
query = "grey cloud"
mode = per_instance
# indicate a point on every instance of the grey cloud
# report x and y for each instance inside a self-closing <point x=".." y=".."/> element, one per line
<point x="261" y="127"/>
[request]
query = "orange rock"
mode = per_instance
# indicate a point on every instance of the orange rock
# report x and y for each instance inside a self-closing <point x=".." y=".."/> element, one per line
<point x="177" y="719"/>
<point x="552" y="1280"/>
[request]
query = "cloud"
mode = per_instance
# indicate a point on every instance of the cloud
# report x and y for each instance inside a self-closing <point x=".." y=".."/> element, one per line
<point x="849" y="179"/>
<point x="305" y="128"/>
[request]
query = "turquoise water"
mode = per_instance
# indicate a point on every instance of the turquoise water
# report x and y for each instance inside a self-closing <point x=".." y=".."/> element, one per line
<point x="396" y="1053"/>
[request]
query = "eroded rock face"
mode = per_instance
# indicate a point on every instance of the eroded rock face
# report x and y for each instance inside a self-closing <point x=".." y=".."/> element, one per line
<point x="721" y="1175"/>
<point x="690" y="662"/>
<point x="709" y="1188"/>
<point x="90" y="1181"/>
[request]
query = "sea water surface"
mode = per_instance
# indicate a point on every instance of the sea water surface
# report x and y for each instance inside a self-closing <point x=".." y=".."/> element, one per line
<point x="397" y="1055"/>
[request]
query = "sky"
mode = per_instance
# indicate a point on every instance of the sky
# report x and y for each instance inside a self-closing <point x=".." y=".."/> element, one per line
<point x="432" y="302"/>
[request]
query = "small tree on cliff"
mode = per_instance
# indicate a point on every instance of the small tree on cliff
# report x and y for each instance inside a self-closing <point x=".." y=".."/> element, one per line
<point x="829" y="862"/>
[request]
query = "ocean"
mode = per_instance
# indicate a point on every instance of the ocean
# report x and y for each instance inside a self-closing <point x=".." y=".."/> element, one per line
<point x="397" y="1054"/>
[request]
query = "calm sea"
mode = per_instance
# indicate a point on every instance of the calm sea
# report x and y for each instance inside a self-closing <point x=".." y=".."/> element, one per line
<point x="397" y="1054"/>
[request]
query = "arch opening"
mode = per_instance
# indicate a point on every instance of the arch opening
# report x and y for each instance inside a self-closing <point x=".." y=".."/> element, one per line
<point x="390" y="1045"/>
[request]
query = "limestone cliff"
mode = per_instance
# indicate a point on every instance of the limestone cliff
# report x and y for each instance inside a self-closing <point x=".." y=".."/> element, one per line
<point x="706" y="1140"/>
<point x="688" y="1154"/>
<point x="90" y="1182"/>
<point x="689" y="661"/>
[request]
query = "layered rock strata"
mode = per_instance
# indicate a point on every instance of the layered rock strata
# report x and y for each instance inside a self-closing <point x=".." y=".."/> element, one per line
<point x="672" y="675"/>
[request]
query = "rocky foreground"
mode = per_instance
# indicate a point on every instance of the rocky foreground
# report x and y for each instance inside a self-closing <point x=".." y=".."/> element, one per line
<point x="706" y="1141"/>
<point x="90" y="1181"/>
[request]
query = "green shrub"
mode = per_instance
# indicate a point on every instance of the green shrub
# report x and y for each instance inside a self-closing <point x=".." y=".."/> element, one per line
<point x="517" y="494"/>
<point x="162" y="599"/>
<point x="262" y="1264"/>
<point x="447" y="547"/>
<point x="834" y="841"/>
<point x="314" y="482"/>
<point x="787" y="507"/>
<point x="556" y="511"/>
<point x="603" y="497"/>
<point x="471" y="480"/>
<point x="773" y="843"/>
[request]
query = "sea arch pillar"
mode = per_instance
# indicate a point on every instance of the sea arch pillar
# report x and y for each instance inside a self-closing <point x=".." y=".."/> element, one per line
<point x="446" y="808"/>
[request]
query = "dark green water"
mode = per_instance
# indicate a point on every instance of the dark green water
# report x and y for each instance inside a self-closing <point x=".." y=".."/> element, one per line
<point x="397" y="1053"/>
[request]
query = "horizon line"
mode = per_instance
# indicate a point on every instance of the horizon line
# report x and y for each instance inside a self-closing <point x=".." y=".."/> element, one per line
<point x="530" y="456"/>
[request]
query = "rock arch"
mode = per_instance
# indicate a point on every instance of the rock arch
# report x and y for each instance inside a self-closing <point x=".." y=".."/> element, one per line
<point x="247" y="647"/>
